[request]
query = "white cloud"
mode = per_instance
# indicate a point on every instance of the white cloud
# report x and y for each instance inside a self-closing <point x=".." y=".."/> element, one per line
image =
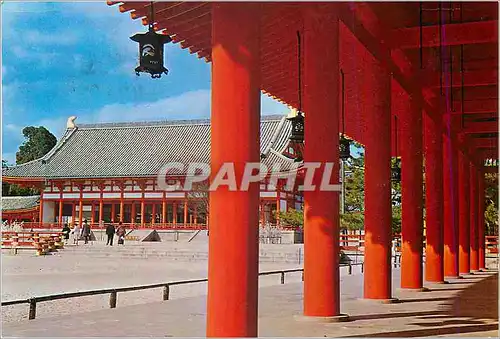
<point x="12" y="127"/>
<point x="13" y="132"/>
<point x="188" y="105"/>
<point x="44" y="58"/>
<point x="192" y="105"/>
<point x="50" y="38"/>
<point x="270" y="106"/>
<point x="56" y="126"/>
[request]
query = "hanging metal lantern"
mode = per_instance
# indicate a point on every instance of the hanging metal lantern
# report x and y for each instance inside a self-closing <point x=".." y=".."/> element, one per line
<point x="151" y="46"/>
<point x="297" y="127"/>
<point x="295" y="147"/>
<point x="151" y="52"/>
<point x="345" y="148"/>
<point x="396" y="171"/>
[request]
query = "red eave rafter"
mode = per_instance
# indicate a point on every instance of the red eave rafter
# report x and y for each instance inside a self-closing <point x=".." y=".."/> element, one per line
<point x="162" y="9"/>
<point x="22" y="179"/>
<point x="484" y="142"/>
<point x="490" y="169"/>
<point x="486" y="77"/>
<point x="182" y="18"/>
<point x="476" y="106"/>
<point x="456" y="34"/>
<point x="487" y="154"/>
<point x="481" y="127"/>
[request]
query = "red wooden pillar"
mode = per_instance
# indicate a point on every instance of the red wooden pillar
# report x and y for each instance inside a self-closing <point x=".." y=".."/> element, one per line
<point x="153" y="213"/>
<point x="481" y="225"/>
<point x="112" y="212"/>
<point x="434" y="232"/>
<point x="174" y="212"/>
<point x="73" y="212"/>
<point x="60" y="211"/>
<point x="412" y="195"/>
<point x="450" y="164"/>
<point x="321" y="104"/>
<point x="122" y="210"/>
<point x="100" y="211"/>
<point x="80" y="211"/>
<point x="464" y="213"/>
<point x="233" y="252"/>
<point x="185" y="212"/>
<point x="164" y="211"/>
<point x="143" y="210"/>
<point x="40" y="216"/>
<point x="132" y="213"/>
<point x="378" y="209"/>
<point x="474" y="254"/>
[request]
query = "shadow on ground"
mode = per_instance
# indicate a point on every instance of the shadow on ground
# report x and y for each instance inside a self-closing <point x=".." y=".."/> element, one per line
<point x="473" y="310"/>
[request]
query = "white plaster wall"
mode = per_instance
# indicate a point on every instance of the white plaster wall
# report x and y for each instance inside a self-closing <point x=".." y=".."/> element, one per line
<point x="48" y="211"/>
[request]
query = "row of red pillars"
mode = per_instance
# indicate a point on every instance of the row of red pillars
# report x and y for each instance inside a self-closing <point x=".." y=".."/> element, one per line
<point x="233" y="244"/>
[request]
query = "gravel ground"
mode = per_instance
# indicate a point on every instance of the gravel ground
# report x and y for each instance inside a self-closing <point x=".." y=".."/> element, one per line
<point x="25" y="275"/>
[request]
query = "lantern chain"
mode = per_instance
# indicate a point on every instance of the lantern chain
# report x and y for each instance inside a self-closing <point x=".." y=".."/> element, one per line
<point x="462" y="71"/>
<point x="451" y="62"/>
<point x="440" y="50"/>
<point x="343" y="101"/>
<point x="299" y="71"/>
<point x="396" y="135"/>
<point x="152" y="16"/>
<point x="421" y="51"/>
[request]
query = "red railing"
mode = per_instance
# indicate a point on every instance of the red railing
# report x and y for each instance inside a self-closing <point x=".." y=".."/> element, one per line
<point x="491" y="244"/>
<point x="128" y="226"/>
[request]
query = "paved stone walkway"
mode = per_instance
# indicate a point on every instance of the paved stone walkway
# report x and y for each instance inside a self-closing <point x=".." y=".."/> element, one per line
<point x="465" y="307"/>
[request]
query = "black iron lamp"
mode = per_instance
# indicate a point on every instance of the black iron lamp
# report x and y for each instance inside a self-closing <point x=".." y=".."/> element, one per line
<point x="344" y="143"/>
<point x="297" y="128"/>
<point x="151" y="46"/>
<point x="396" y="166"/>
<point x="396" y="171"/>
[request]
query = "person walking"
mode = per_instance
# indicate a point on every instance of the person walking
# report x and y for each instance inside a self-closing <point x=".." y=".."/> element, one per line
<point x="121" y="234"/>
<point x="66" y="231"/>
<point x="110" y="232"/>
<point x="76" y="234"/>
<point x="86" y="231"/>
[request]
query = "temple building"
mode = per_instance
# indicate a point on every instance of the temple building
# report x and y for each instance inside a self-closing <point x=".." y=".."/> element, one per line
<point x="20" y="208"/>
<point x="108" y="173"/>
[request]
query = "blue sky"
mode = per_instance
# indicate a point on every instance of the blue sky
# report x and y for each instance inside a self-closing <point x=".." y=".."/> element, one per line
<point x="64" y="59"/>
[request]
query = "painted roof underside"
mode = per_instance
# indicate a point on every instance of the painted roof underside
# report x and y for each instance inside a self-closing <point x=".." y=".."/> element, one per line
<point x="386" y="31"/>
<point x="141" y="149"/>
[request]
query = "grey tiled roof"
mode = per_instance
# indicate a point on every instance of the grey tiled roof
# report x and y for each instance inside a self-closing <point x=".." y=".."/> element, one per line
<point x="18" y="203"/>
<point x="141" y="149"/>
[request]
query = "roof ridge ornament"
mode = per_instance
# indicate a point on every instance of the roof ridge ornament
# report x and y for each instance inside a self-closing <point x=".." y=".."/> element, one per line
<point x="70" y="124"/>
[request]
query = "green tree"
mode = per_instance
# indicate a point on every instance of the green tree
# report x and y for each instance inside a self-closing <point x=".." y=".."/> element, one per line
<point x="292" y="217"/>
<point x="352" y="220"/>
<point x="491" y="218"/>
<point x="39" y="141"/>
<point x="15" y="190"/>
<point x="491" y="203"/>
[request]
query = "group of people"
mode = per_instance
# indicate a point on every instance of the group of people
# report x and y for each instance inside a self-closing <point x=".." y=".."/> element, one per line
<point x="77" y="232"/>
<point x="120" y="233"/>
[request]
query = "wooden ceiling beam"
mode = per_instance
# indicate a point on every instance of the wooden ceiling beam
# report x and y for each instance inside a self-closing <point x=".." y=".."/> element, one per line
<point x="163" y="9"/>
<point x="453" y="34"/>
